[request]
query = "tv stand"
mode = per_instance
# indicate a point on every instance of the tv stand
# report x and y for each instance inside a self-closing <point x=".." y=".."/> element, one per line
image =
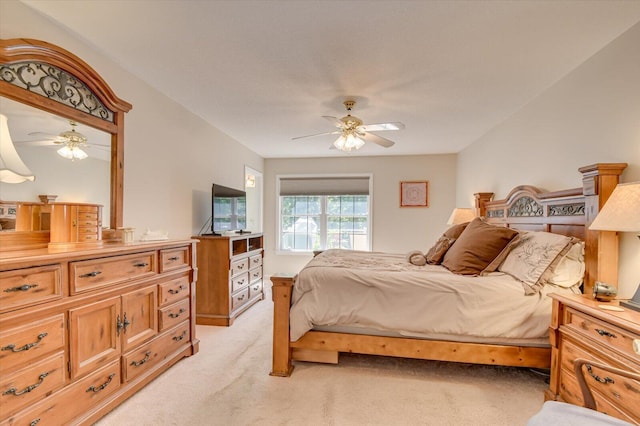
<point x="229" y="276"/>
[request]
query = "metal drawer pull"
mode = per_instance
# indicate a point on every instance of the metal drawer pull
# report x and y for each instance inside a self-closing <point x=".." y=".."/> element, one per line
<point x="16" y="392"/>
<point x="241" y="282"/>
<point x="174" y="258"/>
<point x="140" y="265"/>
<point x="598" y="378"/>
<point x="605" y="333"/>
<point x="96" y="389"/>
<point x="142" y="361"/>
<point x="180" y="337"/>
<point x="172" y="291"/>
<point x="180" y="312"/>
<point x="240" y="266"/>
<point x="35" y="422"/>
<point x="90" y="274"/>
<point x="122" y="325"/>
<point x="26" y="347"/>
<point x="241" y="298"/>
<point x="25" y="287"/>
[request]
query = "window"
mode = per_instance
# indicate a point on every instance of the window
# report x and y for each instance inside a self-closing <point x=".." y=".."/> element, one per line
<point x="317" y="213"/>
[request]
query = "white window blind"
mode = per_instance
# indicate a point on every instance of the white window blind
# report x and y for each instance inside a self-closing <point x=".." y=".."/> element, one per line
<point x="347" y="185"/>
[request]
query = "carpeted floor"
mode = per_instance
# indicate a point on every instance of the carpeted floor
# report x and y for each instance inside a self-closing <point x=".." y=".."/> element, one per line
<point x="228" y="383"/>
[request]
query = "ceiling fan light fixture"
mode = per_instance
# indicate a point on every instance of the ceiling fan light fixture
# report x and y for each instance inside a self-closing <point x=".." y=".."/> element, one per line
<point x="72" y="153"/>
<point x="348" y="142"/>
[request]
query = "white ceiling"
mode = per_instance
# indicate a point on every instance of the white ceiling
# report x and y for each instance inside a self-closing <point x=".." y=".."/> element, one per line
<point x="266" y="71"/>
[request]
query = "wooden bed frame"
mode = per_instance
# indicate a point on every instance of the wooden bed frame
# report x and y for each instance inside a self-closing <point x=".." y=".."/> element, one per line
<point x="568" y="212"/>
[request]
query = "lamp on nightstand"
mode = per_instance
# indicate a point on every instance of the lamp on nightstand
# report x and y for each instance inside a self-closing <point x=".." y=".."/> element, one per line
<point x="621" y="213"/>
<point x="460" y="215"/>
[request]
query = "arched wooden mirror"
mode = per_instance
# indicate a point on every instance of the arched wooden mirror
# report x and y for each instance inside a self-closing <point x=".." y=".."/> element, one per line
<point x="37" y="74"/>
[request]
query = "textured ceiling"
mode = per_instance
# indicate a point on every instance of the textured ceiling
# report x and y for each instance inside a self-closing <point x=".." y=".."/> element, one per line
<point x="266" y="71"/>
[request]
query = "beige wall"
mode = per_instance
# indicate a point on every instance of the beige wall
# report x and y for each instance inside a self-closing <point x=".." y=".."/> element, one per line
<point x="590" y="116"/>
<point x="395" y="229"/>
<point x="171" y="157"/>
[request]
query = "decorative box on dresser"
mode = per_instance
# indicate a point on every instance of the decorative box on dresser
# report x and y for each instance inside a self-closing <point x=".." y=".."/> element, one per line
<point x="229" y="277"/>
<point x="81" y="330"/>
<point x="580" y="328"/>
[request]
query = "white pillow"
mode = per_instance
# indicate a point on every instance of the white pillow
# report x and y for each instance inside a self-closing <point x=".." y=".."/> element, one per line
<point x="533" y="255"/>
<point x="570" y="269"/>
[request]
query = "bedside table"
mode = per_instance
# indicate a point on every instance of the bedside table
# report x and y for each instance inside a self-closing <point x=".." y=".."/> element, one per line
<point x="581" y="329"/>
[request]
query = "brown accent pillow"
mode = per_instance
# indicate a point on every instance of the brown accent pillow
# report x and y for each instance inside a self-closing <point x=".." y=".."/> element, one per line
<point x="455" y="231"/>
<point x="495" y="263"/>
<point x="436" y="253"/>
<point x="478" y="245"/>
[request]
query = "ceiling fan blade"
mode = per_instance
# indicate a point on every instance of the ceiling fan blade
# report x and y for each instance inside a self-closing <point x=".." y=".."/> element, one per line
<point x="370" y="137"/>
<point x="396" y="125"/>
<point x="35" y="143"/>
<point x="335" y="121"/>
<point x="317" y="134"/>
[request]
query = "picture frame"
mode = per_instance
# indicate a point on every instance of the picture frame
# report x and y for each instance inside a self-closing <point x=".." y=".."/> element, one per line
<point x="414" y="193"/>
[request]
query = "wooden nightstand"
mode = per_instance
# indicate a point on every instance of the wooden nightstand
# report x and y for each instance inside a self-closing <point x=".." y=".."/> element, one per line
<point x="581" y="329"/>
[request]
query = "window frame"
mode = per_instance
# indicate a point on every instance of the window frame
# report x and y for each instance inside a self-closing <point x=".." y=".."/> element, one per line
<point x="278" y="239"/>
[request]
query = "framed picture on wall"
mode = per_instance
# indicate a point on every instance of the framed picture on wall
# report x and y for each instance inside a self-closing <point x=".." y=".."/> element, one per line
<point x="414" y="194"/>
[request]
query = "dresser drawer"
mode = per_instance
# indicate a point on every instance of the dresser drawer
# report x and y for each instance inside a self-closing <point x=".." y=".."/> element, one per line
<point x="255" y="261"/>
<point x="255" y="289"/>
<point x="154" y="352"/>
<point x="624" y="391"/>
<point x="606" y="334"/>
<point x="91" y="274"/>
<point x="85" y="393"/>
<point x="173" y="314"/>
<point x="239" y="299"/>
<point x="32" y="383"/>
<point x="239" y="281"/>
<point x="21" y="345"/>
<point x="255" y="274"/>
<point x="172" y="259"/>
<point x="28" y="286"/>
<point x="239" y="266"/>
<point x="173" y="290"/>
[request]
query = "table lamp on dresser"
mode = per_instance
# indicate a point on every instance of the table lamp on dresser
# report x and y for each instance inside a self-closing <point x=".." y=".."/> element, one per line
<point x="621" y="213"/>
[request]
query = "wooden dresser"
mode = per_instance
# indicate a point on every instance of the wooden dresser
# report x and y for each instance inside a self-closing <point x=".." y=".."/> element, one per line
<point x="581" y="329"/>
<point x="82" y="330"/>
<point x="229" y="278"/>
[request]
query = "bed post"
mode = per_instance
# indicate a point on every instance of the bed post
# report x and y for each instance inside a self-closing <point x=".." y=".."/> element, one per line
<point x="282" y="289"/>
<point x="482" y="198"/>
<point x="601" y="247"/>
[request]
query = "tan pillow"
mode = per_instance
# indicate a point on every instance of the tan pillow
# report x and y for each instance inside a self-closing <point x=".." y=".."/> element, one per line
<point x="478" y="245"/>
<point x="436" y="253"/>
<point x="416" y="257"/>
<point x="455" y="231"/>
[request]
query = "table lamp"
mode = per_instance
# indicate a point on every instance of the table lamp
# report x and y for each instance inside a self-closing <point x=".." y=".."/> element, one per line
<point x="460" y="215"/>
<point x="621" y="213"/>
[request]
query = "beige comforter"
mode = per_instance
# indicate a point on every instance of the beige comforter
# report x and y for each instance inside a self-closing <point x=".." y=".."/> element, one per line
<point x="385" y="292"/>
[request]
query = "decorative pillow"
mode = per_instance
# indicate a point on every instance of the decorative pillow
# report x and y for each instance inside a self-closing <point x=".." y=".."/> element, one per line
<point x="436" y="253"/>
<point x="530" y="258"/>
<point x="416" y="258"/>
<point x="455" y="231"/>
<point x="478" y="245"/>
<point x="569" y="270"/>
<point x="495" y="263"/>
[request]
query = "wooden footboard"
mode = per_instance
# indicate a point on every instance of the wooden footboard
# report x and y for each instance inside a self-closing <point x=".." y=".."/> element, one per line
<point x="282" y="289"/>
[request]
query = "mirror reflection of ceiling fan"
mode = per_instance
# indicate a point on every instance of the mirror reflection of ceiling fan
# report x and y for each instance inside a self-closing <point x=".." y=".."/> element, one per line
<point x="354" y="133"/>
<point x="73" y="143"/>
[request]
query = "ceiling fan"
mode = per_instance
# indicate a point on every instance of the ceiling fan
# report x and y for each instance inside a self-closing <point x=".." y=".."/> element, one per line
<point x="72" y="143"/>
<point x="354" y="133"/>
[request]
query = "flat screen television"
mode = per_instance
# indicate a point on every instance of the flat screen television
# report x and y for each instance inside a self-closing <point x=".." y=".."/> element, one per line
<point x="228" y="210"/>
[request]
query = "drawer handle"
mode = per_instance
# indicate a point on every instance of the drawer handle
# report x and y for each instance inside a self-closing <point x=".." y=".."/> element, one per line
<point x="90" y="274"/>
<point x="143" y="360"/>
<point x="241" y="298"/>
<point x="180" y="337"/>
<point x="35" y="422"/>
<point x="255" y="288"/>
<point x="180" y="312"/>
<point x="241" y="282"/>
<point x="141" y="264"/>
<point x="174" y="258"/>
<point x="598" y="378"/>
<point x="26" y="347"/>
<point x="172" y="291"/>
<point x="25" y="287"/>
<point x="240" y="266"/>
<point x="605" y="333"/>
<point x="256" y="274"/>
<point x="16" y="392"/>
<point x="96" y="389"/>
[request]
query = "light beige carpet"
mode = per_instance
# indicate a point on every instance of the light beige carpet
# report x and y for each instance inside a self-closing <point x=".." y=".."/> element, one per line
<point x="228" y="383"/>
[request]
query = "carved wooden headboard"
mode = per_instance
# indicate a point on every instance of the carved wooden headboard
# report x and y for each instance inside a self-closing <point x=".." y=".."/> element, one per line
<point x="568" y="212"/>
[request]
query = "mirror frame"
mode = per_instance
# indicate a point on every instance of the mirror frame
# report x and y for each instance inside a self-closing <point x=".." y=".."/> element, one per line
<point x="14" y="51"/>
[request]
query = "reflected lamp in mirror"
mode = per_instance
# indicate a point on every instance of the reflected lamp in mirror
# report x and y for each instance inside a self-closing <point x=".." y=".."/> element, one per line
<point x="621" y="213"/>
<point x="461" y="215"/>
<point x="12" y="168"/>
<point x="72" y="153"/>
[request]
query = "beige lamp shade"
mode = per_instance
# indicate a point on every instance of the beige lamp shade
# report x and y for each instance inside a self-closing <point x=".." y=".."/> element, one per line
<point x="621" y="212"/>
<point x="461" y="215"/>
<point x="12" y="169"/>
